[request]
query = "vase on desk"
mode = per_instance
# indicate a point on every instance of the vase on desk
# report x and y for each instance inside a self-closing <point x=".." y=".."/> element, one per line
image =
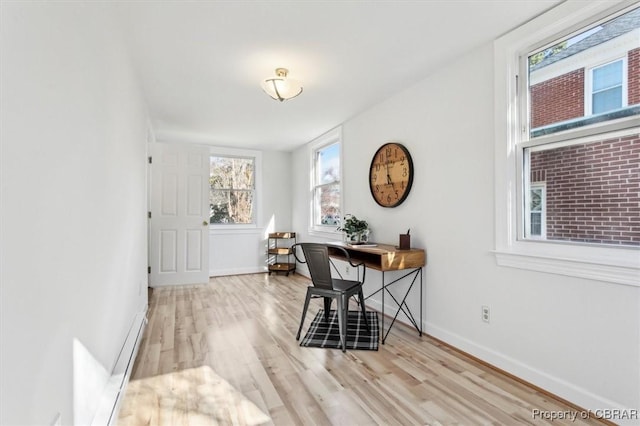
<point x="357" y="237"/>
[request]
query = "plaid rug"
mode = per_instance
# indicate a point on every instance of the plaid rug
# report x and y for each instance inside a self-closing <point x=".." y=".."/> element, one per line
<point x="323" y="335"/>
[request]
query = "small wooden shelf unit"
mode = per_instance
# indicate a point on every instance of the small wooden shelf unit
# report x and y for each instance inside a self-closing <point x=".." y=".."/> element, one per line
<point x="280" y="255"/>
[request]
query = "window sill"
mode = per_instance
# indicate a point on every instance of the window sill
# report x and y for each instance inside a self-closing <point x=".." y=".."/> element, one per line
<point x="617" y="272"/>
<point x="330" y="232"/>
<point x="234" y="229"/>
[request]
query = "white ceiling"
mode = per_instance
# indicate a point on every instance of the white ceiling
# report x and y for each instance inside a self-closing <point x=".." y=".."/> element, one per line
<point x="201" y="62"/>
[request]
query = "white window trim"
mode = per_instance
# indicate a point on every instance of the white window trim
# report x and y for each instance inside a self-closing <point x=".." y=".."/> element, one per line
<point x="245" y="153"/>
<point x="588" y="81"/>
<point x="331" y="137"/>
<point x="620" y="265"/>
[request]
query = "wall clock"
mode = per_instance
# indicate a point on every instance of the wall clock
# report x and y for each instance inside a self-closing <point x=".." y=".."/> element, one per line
<point x="391" y="174"/>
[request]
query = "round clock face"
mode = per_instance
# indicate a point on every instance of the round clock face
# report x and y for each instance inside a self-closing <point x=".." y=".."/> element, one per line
<point x="391" y="174"/>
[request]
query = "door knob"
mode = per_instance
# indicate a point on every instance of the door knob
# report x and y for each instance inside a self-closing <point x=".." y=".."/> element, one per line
<point x="205" y="223"/>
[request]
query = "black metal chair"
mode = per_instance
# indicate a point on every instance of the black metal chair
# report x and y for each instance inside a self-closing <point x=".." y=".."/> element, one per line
<point x="316" y="256"/>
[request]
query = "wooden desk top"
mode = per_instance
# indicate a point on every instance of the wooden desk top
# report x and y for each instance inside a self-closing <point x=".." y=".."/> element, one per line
<point x="383" y="257"/>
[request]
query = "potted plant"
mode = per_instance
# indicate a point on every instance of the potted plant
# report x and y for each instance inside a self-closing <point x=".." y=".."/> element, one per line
<point x="356" y="230"/>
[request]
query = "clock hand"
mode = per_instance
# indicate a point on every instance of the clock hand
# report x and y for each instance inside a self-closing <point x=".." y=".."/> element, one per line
<point x="389" y="181"/>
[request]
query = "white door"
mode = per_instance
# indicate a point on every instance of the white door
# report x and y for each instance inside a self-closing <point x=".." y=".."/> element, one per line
<point x="179" y="223"/>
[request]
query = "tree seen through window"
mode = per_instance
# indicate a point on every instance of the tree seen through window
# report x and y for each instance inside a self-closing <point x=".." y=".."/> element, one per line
<point x="232" y="189"/>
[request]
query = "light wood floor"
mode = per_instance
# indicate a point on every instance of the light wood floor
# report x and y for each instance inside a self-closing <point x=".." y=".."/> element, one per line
<point x="225" y="353"/>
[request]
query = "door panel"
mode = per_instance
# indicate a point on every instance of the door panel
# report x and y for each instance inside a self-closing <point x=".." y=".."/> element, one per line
<point x="169" y="188"/>
<point x="168" y="250"/>
<point x="194" y="196"/>
<point x="179" y="224"/>
<point x="194" y="247"/>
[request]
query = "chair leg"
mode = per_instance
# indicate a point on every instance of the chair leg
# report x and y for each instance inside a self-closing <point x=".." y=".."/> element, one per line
<point x="343" y="307"/>
<point x="364" y="312"/>
<point x="327" y="308"/>
<point x="304" y="313"/>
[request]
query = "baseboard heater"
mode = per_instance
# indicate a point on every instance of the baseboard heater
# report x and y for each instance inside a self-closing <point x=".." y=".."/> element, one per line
<point x="107" y="414"/>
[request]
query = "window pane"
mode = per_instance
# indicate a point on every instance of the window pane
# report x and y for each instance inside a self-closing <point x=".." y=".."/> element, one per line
<point x="232" y="207"/>
<point x="592" y="191"/>
<point x="328" y="207"/>
<point x="607" y="100"/>
<point x="230" y="172"/>
<point x="328" y="164"/>
<point x="607" y="76"/>
<point x="536" y="224"/>
<point x="536" y="200"/>
<point x="326" y="184"/>
<point x="564" y="75"/>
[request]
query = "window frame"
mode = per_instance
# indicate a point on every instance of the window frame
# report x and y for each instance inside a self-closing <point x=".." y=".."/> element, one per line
<point x="332" y="137"/>
<point x="257" y="185"/>
<point x="614" y="264"/>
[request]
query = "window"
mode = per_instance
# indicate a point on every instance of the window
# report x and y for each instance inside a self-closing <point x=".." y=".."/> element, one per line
<point x="232" y="190"/>
<point x="607" y="87"/>
<point x="591" y="195"/>
<point x="567" y="120"/>
<point x="326" y="182"/>
<point x="535" y="216"/>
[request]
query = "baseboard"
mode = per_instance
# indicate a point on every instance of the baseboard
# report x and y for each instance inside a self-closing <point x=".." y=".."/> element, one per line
<point x="107" y="413"/>
<point x="237" y="271"/>
<point x="554" y="386"/>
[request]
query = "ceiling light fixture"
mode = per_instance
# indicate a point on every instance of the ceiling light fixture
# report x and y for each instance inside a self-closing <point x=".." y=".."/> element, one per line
<point x="280" y="87"/>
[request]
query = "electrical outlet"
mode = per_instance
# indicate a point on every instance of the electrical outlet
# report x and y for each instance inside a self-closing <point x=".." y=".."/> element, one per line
<point x="347" y="270"/>
<point x="486" y="314"/>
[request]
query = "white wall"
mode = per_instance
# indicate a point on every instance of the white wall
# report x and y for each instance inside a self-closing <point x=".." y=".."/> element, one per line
<point x="276" y="209"/>
<point x="577" y="338"/>
<point x="73" y="247"/>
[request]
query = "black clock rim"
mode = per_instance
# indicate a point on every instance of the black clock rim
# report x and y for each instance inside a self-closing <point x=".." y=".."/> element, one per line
<point x="409" y="182"/>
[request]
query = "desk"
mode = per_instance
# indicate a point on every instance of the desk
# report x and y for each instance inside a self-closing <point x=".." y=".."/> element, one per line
<point x="384" y="258"/>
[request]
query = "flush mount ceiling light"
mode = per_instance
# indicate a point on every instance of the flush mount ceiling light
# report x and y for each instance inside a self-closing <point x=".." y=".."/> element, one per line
<point x="280" y="87"/>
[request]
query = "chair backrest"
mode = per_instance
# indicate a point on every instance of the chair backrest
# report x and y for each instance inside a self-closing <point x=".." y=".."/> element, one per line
<point x="317" y="259"/>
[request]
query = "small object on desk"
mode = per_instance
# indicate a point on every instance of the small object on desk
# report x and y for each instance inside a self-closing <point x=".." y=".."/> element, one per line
<point x="362" y="244"/>
<point x="405" y="241"/>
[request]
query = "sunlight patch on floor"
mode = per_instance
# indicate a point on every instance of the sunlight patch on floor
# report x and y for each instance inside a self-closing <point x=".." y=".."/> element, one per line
<point x="197" y="396"/>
